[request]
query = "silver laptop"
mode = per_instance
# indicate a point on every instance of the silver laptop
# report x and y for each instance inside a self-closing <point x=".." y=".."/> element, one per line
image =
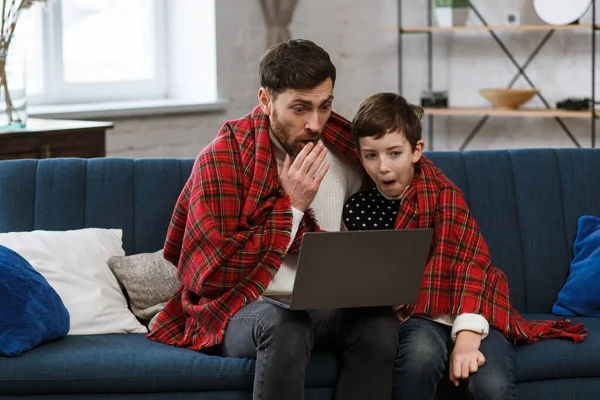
<point x="358" y="269"/>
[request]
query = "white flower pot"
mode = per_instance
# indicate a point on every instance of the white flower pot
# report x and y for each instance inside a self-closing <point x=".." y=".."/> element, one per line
<point x="451" y="16"/>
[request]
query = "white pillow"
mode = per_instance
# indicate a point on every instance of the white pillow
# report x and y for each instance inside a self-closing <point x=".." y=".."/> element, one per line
<point x="75" y="265"/>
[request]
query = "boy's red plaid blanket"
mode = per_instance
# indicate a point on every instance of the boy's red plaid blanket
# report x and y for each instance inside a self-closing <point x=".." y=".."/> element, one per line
<point x="459" y="277"/>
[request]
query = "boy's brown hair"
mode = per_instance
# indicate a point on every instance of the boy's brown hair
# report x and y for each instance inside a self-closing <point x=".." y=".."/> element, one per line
<point x="382" y="113"/>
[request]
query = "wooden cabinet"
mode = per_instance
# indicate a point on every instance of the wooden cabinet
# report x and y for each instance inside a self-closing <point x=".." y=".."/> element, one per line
<point x="48" y="138"/>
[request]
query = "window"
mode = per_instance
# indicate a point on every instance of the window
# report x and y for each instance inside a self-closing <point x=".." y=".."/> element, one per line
<point x="81" y="51"/>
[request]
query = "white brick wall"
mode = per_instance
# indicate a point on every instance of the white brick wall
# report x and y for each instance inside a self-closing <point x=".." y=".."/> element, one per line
<point x="365" y="55"/>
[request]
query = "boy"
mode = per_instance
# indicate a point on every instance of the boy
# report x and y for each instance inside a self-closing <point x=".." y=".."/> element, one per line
<point x="474" y="325"/>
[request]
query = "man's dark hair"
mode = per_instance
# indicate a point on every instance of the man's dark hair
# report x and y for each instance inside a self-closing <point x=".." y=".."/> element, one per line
<point x="382" y="113"/>
<point x="295" y="64"/>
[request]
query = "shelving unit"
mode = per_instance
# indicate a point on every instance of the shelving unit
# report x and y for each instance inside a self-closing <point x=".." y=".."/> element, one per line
<point x="486" y="113"/>
<point x="424" y="29"/>
<point x="525" y="112"/>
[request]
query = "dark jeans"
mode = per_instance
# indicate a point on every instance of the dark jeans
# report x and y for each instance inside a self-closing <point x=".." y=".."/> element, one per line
<point x="281" y="342"/>
<point x="423" y="357"/>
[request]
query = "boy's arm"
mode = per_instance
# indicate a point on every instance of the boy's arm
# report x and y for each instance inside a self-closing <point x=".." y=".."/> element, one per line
<point x="466" y="357"/>
<point x="461" y="255"/>
<point x="460" y="241"/>
<point x="468" y="330"/>
<point x="470" y="322"/>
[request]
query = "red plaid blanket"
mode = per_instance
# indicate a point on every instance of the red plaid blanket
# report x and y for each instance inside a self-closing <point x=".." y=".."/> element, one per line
<point x="459" y="277"/>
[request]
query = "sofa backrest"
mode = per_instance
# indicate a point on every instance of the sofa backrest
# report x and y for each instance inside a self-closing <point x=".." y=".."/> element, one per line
<point x="136" y="195"/>
<point x="527" y="203"/>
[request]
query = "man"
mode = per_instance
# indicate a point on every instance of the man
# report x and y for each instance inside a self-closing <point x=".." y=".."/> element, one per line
<point x="254" y="191"/>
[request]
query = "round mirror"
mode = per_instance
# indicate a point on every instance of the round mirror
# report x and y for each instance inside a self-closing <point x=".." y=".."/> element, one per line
<point x="561" y="12"/>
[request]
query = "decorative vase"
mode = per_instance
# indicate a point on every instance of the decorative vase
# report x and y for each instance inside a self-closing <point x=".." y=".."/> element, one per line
<point x="13" y="95"/>
<point x="450" y="13"/>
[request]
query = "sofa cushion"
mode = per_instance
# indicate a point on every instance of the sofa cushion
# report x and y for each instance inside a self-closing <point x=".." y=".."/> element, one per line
<point x="130" y="363"/>
<point x="74" y="262"/>
<point x="560" y="358"/>
<point x="149" y="279"/>
<point x="32" y="312"/>
<point x="580" y="295"/>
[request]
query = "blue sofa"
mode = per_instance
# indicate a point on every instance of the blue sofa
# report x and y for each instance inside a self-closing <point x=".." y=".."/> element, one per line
<point x="527" y="203"/>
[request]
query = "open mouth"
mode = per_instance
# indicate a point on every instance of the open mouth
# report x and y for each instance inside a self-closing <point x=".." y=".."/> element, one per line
<point x="389" y="182"/>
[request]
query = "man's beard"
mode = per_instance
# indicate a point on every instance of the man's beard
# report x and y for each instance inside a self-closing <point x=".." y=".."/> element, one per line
<point x="283" y="136"/>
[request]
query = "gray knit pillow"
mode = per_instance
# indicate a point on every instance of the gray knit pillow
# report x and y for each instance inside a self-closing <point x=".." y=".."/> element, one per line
<point x="149" y="280"/>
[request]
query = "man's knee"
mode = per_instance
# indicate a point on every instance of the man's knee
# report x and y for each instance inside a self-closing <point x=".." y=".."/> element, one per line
<point x="288" y="331"/>
<point x="377" y="330"/>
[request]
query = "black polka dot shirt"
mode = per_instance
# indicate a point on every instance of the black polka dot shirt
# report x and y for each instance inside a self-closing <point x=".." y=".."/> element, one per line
<point x="369" y="210"/>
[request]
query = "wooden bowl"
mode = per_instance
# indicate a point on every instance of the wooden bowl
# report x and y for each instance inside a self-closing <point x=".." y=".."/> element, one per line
<point x="508" y="99"/>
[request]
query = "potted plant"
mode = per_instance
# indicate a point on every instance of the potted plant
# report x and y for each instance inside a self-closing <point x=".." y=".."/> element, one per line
<point x="451" y="12"/>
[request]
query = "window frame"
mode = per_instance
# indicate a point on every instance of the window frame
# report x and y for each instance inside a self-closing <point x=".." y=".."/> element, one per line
<point x="54" y="89"/>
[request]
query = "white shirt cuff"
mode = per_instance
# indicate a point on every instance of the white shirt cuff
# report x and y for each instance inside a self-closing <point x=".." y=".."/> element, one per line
<point x="470" y="322"/>
<point x="297" y="218"/>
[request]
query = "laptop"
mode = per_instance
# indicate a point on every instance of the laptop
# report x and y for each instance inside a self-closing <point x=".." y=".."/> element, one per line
<point x="352" y="269"/>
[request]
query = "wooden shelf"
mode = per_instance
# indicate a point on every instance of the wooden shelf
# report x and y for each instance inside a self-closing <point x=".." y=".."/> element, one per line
<point x="425" y="29"/>
<point x="524" y="112"/>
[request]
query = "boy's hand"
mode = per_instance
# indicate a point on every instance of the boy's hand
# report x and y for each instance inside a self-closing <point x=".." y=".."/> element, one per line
<point x="301" y="179"/>
<point x="466" y="357"/>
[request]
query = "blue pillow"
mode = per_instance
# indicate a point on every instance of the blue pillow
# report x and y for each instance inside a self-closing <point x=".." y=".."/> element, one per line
<point x="580" y="295"/>
<point x="31" y="311"/>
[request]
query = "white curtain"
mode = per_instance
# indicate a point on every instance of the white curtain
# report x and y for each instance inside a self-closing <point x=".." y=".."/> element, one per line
<point x="278" y="15"/>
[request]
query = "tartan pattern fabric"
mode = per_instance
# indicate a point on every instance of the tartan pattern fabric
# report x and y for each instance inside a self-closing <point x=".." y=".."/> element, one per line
<point x="230" y="229"/>
<point x="459" y="277"/>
